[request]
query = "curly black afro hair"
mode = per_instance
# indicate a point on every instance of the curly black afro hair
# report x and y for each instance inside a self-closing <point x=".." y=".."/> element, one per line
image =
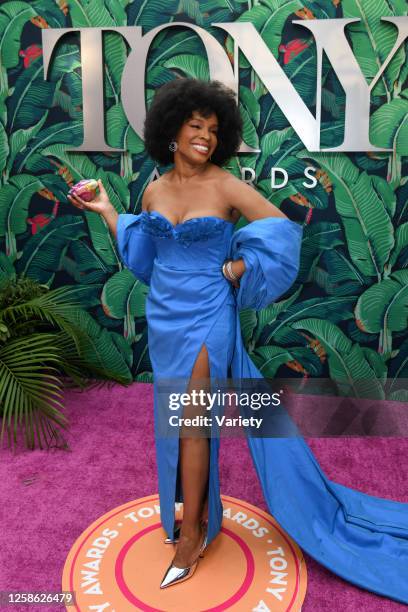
<point x="175" y="102"/>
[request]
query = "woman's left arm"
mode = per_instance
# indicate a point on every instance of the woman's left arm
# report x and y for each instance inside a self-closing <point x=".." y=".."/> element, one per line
<point x="252" y="205"/>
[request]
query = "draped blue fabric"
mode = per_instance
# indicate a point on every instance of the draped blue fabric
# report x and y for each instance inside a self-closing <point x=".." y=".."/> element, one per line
<point x="362" y="538"/>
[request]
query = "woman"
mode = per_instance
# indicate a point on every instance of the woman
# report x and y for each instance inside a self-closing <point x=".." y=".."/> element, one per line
<point x="201" y="273"/>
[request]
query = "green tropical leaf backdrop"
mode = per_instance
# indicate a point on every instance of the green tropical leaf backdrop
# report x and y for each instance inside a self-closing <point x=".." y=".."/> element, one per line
<point x="345" y="318"/>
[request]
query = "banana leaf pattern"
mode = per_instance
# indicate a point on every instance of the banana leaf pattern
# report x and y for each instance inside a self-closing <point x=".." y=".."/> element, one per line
<point x="345" y="318"/>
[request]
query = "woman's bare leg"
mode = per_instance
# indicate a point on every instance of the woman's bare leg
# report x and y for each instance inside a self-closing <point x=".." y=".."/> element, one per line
<point x="204" y="515"/>
<point x="194" y="467"/>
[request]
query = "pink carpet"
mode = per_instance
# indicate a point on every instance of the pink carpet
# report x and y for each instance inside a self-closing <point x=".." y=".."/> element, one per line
<point x="111" y="460"/>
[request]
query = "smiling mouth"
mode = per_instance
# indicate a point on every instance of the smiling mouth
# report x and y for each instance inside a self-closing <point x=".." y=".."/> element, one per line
<point x="201" y="148"/>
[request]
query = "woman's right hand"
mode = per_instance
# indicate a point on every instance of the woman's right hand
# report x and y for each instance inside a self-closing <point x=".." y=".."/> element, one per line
<point x="100" y="204"/>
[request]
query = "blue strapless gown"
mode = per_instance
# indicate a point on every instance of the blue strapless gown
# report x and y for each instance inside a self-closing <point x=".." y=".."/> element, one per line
<point x="363" y="539"/>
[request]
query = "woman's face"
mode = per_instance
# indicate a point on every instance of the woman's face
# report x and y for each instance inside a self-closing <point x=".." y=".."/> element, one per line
<point x="197" y="138"/>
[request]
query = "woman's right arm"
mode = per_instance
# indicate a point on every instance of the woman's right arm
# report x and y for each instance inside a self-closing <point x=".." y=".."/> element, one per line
<point x="111" y="217"/>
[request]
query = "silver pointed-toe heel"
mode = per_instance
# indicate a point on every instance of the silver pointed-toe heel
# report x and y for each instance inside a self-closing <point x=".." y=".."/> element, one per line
<point x="175" y="575"/>
<point x="176" y="536"/>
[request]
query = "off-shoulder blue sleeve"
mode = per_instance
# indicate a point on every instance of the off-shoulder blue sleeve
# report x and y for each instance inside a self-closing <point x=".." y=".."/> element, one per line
<point x="270" y="248"/>
<point x="137" y="249"/>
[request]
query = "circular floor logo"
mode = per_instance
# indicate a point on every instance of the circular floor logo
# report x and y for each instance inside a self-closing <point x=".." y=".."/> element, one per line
<point x="117" y="564"/>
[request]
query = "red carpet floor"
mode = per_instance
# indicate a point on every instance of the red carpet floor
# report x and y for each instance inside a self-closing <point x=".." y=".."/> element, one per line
<point x="111" y="460"/>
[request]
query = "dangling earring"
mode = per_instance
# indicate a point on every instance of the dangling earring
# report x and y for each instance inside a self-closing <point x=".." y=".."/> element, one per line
<point x="173" y="146"/>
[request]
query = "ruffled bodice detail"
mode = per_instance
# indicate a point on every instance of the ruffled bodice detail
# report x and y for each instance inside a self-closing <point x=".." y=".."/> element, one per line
<point x="192" y="230"/>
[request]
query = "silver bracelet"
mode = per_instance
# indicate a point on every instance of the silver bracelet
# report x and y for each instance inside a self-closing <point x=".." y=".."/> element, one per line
<point x="224" y="272"/>
<point x="227" y="271"/>
<point x="230" y="272"/>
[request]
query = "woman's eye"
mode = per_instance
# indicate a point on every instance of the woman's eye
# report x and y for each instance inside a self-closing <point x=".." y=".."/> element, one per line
<point x="195" y="125"/>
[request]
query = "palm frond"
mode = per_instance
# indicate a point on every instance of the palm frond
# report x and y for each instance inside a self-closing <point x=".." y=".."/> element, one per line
<point x="28" y="388"/>
<point x="54" y="307"/>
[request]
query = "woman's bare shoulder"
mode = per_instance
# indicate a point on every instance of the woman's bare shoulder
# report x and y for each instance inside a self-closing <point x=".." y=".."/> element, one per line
<point x="224" y="175"/>
<point x="151" y="191"/>
<point x="147" y="195"/>
<point x="221" y="176"/>
<point x="227" y="186"/>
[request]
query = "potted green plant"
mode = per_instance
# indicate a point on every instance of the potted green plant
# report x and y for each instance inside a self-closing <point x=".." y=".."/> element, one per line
<point x="48" y="342"/>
